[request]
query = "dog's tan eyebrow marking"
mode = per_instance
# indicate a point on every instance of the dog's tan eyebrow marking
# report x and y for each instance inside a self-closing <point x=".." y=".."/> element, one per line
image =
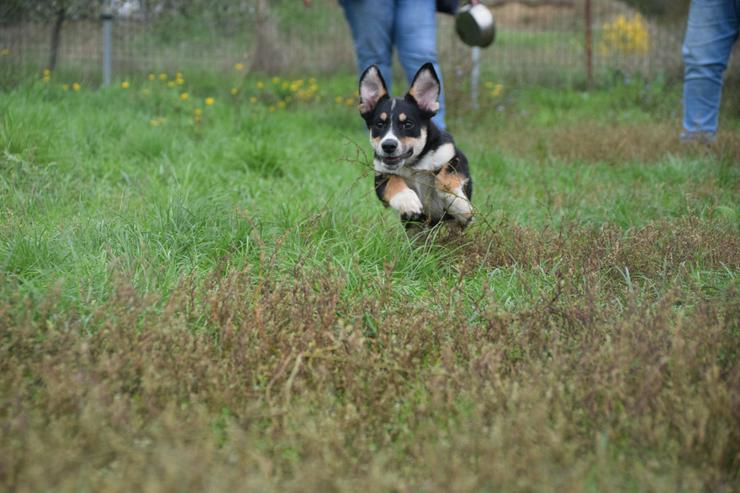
<point x="402" y="117"/>
<point x="384" y="116"/>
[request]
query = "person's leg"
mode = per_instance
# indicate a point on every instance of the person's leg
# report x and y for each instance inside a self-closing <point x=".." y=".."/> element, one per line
<point x="371" y="23"/>
<point x="711" y="30"/>
<point x="415" y="37"/>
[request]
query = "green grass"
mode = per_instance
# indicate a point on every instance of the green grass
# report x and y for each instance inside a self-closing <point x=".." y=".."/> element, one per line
<point x="224" y="304"/>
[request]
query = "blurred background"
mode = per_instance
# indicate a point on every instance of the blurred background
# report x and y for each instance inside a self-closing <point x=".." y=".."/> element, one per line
<point x="571" y="43"/>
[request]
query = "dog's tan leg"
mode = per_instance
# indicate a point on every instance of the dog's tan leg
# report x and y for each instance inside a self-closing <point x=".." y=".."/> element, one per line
<point x="399" y="196"/>
<point x="450" y="185"/>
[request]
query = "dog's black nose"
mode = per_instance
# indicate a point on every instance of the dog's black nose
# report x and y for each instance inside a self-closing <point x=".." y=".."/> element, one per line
<point x="389" y="146"/>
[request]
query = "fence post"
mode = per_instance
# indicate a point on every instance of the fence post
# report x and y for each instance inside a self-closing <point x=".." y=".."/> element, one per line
<point x="474" y="75"/>
<point x="589" y="45"/>
<point x="107" y="18"/>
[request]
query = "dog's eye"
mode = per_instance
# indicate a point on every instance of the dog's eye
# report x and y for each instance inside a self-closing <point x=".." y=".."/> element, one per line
<point x="408" y="124"/>
<point x="379" y="124"/>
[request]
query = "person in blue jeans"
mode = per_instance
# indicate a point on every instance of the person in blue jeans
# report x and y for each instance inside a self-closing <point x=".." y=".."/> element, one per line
<point x="409" y="25"/>
<point x="711" y="31"/>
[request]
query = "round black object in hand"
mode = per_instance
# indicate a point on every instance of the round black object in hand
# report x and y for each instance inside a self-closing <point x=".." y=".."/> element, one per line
<point x="475" y="26"/>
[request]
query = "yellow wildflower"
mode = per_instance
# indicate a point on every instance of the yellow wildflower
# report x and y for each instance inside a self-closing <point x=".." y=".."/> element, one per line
<point x="5" y="52"/>
<point x="234" y="91"/>
<point x="209" y="101"/>
<point x="271" y="109"/>
<point x="275" y="80"/>
<point x="238" y="67"/>
<point x="339" y="99"/>
<point x="76" y="86"/>
<point x="497" y="90"/>
<point x="65" y="87"/>
<point x="197" y="112"/>
<point x="124" y="84"/>
<point x="281" y="104"/>
<point x="171" y="84"/>
<point x="253" y="99"/>
<point x="260" y="84"/>
<point x="184" y="96"/>
<point x="349" y="101"/>
<point x="163" y="76"/>
<point x="151" y="76"/>
<point x="47" y="72"/>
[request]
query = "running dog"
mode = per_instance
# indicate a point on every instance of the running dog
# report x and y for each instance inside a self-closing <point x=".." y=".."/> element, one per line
<point x="418" y="169"/>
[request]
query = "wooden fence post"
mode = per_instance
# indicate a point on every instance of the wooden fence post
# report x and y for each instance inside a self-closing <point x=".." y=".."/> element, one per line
<point x="106" y="17"/>
<point x="588" y="41"/>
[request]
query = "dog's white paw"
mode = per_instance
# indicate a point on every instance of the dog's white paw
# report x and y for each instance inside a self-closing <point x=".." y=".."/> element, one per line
<point x="458" y="206"/>
<point x="407" y="203"/>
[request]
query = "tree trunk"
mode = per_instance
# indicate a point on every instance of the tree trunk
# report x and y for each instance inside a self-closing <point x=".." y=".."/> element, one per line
<point x="267" y="57"/>
<point x="56" y="34"/>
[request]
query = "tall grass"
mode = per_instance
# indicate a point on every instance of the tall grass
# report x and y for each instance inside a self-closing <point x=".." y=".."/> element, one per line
<point x="223" y="304"/>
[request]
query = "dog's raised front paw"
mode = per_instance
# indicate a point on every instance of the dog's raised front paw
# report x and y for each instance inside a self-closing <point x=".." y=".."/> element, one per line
<point x="408" y="204"/>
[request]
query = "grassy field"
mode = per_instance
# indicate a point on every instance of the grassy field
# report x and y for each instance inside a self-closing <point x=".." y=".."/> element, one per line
<point x="208" y="297"/>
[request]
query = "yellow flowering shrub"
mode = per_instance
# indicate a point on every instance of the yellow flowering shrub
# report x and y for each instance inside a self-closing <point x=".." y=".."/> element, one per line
<point x="625" y="36"/>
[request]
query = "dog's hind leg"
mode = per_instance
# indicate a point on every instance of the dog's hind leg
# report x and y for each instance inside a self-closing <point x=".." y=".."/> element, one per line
<point x="452" y="188"/>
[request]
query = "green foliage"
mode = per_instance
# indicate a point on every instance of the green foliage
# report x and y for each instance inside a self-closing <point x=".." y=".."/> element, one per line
<point x="215" y="300"/>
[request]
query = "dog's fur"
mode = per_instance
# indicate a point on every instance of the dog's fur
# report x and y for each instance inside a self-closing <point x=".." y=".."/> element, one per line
<point x="418" y="169"/>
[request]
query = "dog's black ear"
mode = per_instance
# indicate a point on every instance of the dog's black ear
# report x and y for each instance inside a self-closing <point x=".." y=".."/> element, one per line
<point x="425" y="89"/>
<point x="372" y="89"/>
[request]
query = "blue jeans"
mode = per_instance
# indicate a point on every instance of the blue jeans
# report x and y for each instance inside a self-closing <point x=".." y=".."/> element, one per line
<point x="712" y="29"/>
<point x="410" y="25"/>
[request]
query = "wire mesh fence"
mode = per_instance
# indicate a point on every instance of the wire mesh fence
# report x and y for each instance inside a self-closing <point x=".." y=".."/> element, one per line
<point x="538" y="41"/>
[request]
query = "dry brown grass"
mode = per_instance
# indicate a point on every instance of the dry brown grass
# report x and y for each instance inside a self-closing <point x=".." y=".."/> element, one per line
<point x="613" y="144"/>
<point x="261" y="380"/>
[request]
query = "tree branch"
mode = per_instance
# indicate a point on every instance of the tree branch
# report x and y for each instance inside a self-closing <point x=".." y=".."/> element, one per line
<point x="531" y="3"/>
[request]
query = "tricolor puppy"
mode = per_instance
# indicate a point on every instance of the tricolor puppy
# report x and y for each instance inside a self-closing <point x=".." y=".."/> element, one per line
<point x="418" y="170"/>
